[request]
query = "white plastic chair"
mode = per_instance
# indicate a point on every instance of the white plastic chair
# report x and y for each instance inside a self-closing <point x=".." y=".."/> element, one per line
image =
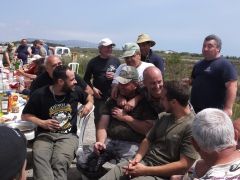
<point x="74" y="66"/>
<point x="81" y="127"/>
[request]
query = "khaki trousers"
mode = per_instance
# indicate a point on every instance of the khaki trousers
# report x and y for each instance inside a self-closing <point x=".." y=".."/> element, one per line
<point x="52" y="155"/>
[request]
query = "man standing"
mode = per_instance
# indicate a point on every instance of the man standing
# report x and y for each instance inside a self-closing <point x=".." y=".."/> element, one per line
<point x="215" y="140"/>
<point x="214" y="79"/>
<point x="23" y="51"/>
<point x="167" y="149"/>
<point x="147" y="55"/>
<point x="51" y="62"/>
<point x="102" y="69"/>
<point x="132" y="57"/>
<point x="54" y="110"/>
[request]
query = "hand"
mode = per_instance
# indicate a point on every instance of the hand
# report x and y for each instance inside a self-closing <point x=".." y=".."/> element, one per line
<point x="134" y="170"/>
<point x="228" y="111"/>
<point x="20" y="72"/>
<point x="97" y="93"/>
<point x="50" y="124"/>
<point x="98" y="147"/>
<point x="186" y="81"/>
<point x="118" y="113"/>
<point x="121" y="102"/>
<point x="109" y="75"/>
<point x="86" y="109"/>
<point x="130" y="105"/>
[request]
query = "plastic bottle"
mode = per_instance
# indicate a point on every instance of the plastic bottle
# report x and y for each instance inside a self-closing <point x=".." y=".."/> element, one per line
<point x="4" y="103"/>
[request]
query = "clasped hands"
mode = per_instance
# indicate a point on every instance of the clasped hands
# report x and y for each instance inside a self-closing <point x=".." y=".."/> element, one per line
<point x="134" y="169"/>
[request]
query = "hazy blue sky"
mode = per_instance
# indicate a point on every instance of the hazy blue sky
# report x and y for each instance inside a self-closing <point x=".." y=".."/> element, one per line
<point x="179" y="25"/>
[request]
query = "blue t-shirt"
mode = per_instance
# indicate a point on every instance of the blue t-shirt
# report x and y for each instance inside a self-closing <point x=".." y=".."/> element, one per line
<point x="154" y="59"/>
<point x="208" y="83"/>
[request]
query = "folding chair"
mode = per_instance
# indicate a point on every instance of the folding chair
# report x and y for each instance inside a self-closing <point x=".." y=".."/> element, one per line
<point x="81" y="127"/>
<point x="74" y="66"/>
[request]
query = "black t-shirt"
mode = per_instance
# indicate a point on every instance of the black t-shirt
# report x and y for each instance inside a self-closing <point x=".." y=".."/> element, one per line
<point x="44" y="79"/>
<point x="22" y="51"/>
<point x="154" y="59"/>
<point x="97" y="68"/>
<point x="63" y="108"/>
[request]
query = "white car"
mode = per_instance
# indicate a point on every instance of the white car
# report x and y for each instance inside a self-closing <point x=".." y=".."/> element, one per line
<point x="62" y="51"/>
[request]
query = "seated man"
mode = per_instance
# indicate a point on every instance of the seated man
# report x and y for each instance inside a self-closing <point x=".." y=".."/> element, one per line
<point x="167" y="148"/>
<point x="118" y="132"/>
<point x="13" y="154"/>
<point x="46" y="78"/>
<point x="215" y="140"/>
<point x="54" y="110"/>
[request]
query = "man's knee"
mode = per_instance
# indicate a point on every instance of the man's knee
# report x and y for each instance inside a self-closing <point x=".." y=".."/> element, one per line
<point x="62" y="160"/>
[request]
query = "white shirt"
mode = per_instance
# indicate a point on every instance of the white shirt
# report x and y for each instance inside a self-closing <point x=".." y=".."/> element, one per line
<point x="229" y="170"/>
<point x="140" y="70"/>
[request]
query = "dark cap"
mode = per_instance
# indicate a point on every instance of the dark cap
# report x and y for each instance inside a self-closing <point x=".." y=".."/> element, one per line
<point x="13" y="152"/>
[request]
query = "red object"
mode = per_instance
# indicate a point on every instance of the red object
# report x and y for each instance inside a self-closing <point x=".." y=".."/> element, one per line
<point x="14" y="85"/>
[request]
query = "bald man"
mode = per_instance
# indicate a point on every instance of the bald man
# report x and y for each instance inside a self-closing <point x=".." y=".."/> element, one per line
<point x="51" y="62"/>
<point x="153" y="84"/>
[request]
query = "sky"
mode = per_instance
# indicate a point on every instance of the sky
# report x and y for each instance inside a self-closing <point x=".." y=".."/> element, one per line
<point x="178" y="25"/>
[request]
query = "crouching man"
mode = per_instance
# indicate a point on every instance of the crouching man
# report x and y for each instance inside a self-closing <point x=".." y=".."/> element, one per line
<point x="167" y="148"/>
<point x="54" y="110"/>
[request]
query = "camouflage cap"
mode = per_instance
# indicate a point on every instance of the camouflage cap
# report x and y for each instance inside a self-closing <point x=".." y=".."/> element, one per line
<point x="127" y="74"/>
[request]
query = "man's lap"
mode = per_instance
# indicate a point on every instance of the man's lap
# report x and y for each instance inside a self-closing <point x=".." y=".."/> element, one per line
<point x="47" y="143"/>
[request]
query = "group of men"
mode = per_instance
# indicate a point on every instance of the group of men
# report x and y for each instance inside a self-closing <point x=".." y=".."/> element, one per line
<point x="145" y="124"/>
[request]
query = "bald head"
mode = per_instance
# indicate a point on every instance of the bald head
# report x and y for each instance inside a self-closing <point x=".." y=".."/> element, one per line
<point x="151" y="71"/>
<point x="153" y="81"/>
<point x="51" y="62"/>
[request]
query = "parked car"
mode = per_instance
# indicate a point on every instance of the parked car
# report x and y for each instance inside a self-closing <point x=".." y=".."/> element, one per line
<point x="62" y="51"/>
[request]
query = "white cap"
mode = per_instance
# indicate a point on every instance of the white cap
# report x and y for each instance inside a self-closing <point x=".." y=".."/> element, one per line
<point x="105" y="42"/>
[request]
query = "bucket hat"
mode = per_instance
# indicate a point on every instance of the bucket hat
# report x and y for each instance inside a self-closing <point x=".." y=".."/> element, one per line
<point x="145" y="38"/>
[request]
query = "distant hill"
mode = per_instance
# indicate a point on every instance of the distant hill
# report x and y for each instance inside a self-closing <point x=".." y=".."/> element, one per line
<point x="70" y="43"/>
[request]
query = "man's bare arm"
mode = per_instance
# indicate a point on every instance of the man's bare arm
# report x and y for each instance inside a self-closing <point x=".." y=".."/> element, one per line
<point x="231" y="92"/>
<point x="88" y="90"/>
<point x="141" y="127"/>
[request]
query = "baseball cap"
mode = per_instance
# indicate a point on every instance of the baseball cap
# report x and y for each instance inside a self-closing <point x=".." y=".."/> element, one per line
<point x="129" y="49"/>
<point x="105" y="42"/>
<point x="13" y="152"/>
<point x="127" y="74"/>
<point x="145" y="38"/>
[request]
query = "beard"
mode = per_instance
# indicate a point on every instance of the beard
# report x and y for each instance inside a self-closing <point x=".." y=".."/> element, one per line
<point x="66" y="88"/>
